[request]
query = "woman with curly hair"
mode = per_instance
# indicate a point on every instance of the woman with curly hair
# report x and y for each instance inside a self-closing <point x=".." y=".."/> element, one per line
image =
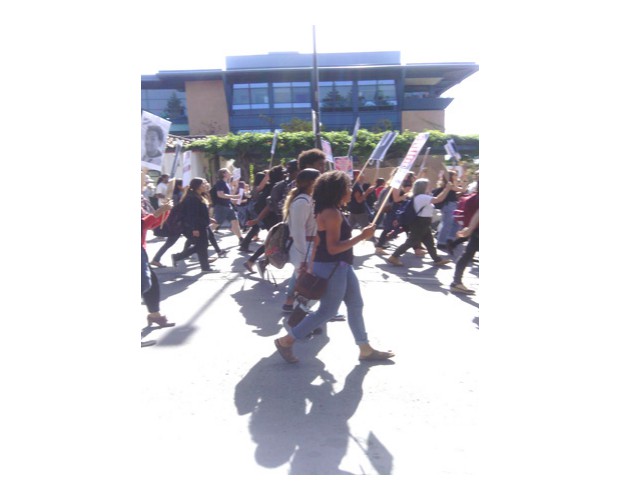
<point x="334" y="257"/>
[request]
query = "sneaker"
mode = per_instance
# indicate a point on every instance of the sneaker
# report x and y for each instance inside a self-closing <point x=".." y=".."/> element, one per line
<point x="460" y="288"/>
<point x="262" y="265"/>
<point x="288" y="307"/>
<point x="221" y="253"/>
<point x="156" y="263"/>
<point x="394" y="261"/>
<point x="244" y="249"/>
<point x="441" y="262"/>
<point x="249" y="265"/>
<point x="212" y="259"/>
<point x="380" y="251"/>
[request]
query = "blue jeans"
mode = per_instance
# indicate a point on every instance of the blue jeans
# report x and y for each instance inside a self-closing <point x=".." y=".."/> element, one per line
<point x="449" y="226"/>
<point x="342" y="286"/>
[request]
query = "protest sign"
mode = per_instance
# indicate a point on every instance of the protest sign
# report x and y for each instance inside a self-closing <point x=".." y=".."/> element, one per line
<point x="154" y="135"/>
<point x="344" y="164"/>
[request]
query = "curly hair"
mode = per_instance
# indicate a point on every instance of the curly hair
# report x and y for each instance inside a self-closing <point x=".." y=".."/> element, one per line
<point x="329" y="190"/>
<point x="309" y="156"/>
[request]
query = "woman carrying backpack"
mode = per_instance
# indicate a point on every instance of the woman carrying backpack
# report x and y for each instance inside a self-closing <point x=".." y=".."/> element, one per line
<point x="333" y="260"/>
<point x="421" y="230"/>
<point x="298" y="211"/>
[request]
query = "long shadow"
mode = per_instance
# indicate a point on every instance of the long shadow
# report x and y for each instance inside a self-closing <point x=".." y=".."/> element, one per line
<point x="277" y="395"/>
<point x="179" y="334"/>
<point x="264" y="297"/>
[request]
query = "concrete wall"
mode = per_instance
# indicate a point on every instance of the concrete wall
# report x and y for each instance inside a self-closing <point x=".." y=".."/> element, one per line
<point x="206" y="104"/>
<point x="420" y="121"/>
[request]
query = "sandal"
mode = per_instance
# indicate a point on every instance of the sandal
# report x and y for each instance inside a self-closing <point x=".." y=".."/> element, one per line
<point x="286" y="352"/>
<point x="377" y="356"/>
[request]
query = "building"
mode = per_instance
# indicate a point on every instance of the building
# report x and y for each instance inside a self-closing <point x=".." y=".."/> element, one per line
<point x="260" y="93"/>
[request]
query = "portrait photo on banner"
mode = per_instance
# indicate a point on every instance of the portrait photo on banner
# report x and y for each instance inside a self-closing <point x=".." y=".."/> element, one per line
<point x="154" y="134"/>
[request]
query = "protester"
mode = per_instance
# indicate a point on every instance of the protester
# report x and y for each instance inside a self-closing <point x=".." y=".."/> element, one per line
<point x="298" y="212"/>
<point x="149" y="283"/>
<point x="196" y="221"/>
<point x="267" y="217"/>
<point x="312" y="158"/>
<point x="222" y="207"/>
<point x="359" y="213"/>
<point x="420" y="232"/>
<point x="334" y="256"/>
<point x="391" y="228"/>
<point x="471" y="232"/>
<point x="161" y="189"/>
<point x="448" y="226"/>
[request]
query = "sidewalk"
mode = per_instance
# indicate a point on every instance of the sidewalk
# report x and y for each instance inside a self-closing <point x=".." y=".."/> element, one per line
<point x="218" y="397"/>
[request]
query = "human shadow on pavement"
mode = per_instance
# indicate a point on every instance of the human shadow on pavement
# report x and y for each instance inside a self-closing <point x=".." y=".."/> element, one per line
<point x="314" y="441"/>
<point x="261" y="306"/>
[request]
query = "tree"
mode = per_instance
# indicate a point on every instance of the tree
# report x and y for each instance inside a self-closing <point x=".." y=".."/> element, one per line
<point x="174" y="108"/>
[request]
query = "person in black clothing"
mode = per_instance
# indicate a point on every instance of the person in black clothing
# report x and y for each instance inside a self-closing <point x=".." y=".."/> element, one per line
<point x="359" y="211"/>
<point x="267" y="208"/>
<point x="196" y="222"/>
<point x="449" y="227"/>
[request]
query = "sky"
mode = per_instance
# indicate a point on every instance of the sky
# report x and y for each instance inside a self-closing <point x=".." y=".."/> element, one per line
<point x="417" y="42"/>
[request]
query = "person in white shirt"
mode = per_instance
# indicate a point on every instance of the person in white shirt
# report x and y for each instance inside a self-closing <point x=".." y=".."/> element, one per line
<point x="298" y="211"/>
<point x="420" y="232"/>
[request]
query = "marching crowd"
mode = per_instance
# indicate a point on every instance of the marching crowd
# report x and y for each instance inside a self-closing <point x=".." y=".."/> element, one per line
<point x="320" y="209"/>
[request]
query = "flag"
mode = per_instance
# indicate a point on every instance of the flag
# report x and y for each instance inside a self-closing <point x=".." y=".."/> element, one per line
<point x="355" y="129"/>
<point x="384" y="144"/>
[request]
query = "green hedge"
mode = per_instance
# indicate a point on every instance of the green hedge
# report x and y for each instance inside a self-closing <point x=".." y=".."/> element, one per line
<point x="255" y="148"/>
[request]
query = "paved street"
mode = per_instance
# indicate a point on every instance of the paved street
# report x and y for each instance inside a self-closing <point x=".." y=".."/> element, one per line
<point x="217" y="396"/>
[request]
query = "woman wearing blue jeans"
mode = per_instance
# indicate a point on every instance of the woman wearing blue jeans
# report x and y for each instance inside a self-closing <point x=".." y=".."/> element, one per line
<point x="334" y="254"/>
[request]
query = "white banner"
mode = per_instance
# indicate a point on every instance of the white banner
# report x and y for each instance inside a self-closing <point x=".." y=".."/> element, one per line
<point x="408" y="161"/>
<point x="327" y="149"/>
<point x="187" y="168"/>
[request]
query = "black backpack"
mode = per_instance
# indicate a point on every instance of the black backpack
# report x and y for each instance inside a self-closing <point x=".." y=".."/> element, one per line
<point x="406" y="215"/>
<point x="174" y="225"/>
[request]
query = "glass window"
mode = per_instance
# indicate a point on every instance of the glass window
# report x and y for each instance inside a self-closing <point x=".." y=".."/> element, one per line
<point x="377" y="93"/>
<point x="291" y="95"/>
<point x="167" y="103"/>
<point x="250" y="95"/>
<point x="336" y="95"/>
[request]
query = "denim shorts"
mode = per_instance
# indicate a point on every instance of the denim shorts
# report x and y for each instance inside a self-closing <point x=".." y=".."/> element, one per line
<point x="222" y="213"/>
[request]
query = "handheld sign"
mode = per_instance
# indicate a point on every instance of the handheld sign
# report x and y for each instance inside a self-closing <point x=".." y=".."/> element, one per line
<point x="154" y="135"/>
<point x="380" y="149"/>
<point x="404" y="167"/>
<point x="327" y="149"/>
<point x="187" y="168"/>
<point x="344" y="164"/>
<point x="384" y="144"/>
<point x="354" y="138"/>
